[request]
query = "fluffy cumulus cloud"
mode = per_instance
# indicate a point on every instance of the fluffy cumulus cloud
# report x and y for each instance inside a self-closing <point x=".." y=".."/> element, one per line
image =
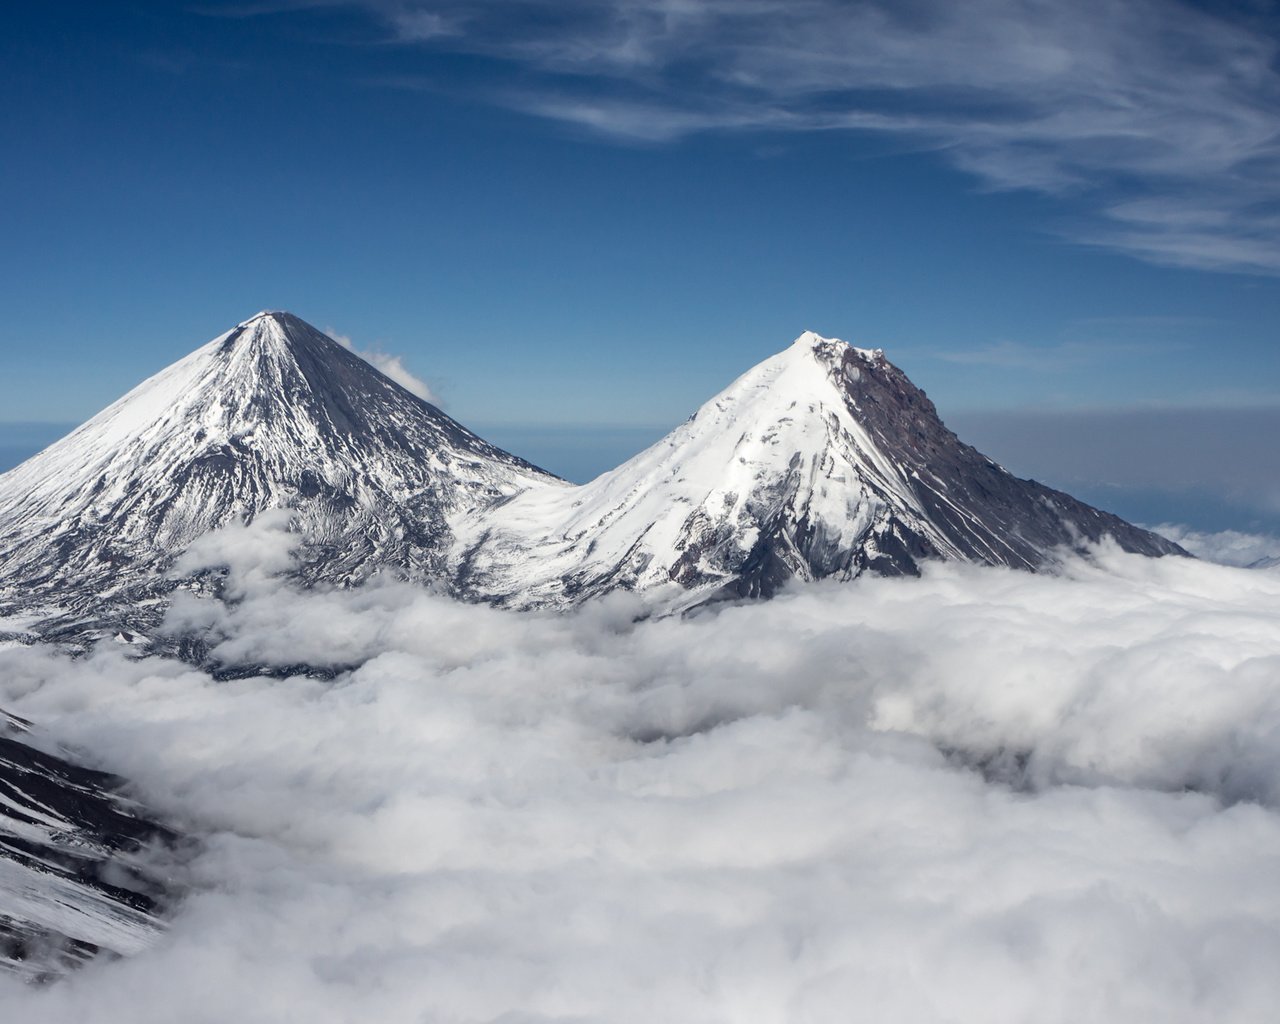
<point x="977" y="796"/>
<point x="389" y="366"/>
<point x="1159" y="113"/>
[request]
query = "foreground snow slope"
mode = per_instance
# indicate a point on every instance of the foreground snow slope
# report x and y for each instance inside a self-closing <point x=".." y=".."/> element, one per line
<point x="824" y="460"/>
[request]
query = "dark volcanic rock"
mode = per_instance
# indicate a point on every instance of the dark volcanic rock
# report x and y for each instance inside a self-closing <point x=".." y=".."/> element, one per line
<point x="74" y="881"/>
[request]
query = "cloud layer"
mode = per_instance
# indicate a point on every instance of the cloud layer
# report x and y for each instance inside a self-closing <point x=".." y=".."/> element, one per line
<point x="1158" y="115"/>
<point x="1226" y="547"/>
<point x="977" y="796"/>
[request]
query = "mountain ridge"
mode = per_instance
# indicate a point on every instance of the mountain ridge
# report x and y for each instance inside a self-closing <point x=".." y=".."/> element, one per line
<point x="823" y="460"/>
<point x="74" y="880"/>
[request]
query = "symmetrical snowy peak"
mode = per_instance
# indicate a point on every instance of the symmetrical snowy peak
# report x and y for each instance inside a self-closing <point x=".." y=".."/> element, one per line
<point x="272" y="414"/>
<point x="824" y="460"/>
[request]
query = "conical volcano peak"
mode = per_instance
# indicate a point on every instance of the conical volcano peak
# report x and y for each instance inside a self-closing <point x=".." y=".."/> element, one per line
<point x="284" y="324"/>
<point x="814" y="371"/>
<point x="278" y="330"/>
<point x="823" y="460"/>
<point x="278" y="315"/>
<point x="272" y="414"/>
<point x="279" y="355"/>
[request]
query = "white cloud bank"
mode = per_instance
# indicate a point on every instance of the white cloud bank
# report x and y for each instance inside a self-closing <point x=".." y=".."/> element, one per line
<point x="772" y="813"/>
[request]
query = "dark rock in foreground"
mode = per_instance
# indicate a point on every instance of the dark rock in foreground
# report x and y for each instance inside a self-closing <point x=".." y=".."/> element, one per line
<point x="74" y="881"/>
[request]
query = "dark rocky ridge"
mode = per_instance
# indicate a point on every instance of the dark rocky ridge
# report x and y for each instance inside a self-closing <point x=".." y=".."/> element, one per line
<point x="985" y="513"/>
<point x="73" y="883"/>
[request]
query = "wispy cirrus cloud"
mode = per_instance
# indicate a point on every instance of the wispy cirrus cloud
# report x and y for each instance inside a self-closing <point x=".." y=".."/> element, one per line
<point x="1158" y="117"/>
<point x="416" y="26"/>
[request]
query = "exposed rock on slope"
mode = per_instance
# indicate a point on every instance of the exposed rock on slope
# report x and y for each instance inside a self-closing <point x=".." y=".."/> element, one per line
<point x="71" y="883"/>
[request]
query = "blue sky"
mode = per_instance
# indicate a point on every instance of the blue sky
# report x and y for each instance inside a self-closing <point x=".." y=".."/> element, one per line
<point x="572" y="216"/>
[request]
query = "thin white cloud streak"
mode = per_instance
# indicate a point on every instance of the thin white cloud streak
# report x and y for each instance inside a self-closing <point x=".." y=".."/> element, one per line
<point x="758" y="814"/>
<point x="389" y="366"/>
<point x="1159" y="115"/>
<point x="417" y="26"/>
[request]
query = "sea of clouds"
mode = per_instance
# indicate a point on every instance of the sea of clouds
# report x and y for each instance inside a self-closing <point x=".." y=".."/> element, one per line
<point x="981" y="795"/>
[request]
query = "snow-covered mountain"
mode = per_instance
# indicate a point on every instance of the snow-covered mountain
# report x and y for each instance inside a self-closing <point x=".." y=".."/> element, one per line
<point x="71" y="881"/>
<point x="822" y="461"/>
<point x="271" y="414"/>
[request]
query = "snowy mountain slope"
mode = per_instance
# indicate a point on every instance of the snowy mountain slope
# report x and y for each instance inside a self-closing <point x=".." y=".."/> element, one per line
<point x="824" y="460"/>
<point x="71" y="884"/>
<point x="271" y="414"/>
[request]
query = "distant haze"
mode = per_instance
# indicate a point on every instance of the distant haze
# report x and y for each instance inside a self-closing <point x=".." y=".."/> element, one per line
<point x="1215" y="469"/>
<point x="576" y="452"/>
<point x="1211" y="469"/>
